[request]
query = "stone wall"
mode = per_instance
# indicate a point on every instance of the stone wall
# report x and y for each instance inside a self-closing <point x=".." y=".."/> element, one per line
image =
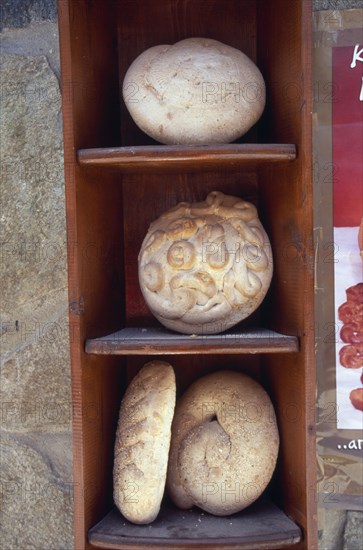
<point x="36" y="456"/>
<point x="35" y="449"/>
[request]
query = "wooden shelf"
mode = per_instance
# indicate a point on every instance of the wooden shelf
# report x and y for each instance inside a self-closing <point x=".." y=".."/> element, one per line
<point x="108" y="221"/>
<point x="167" y="157"/>
<point x="159" y="341"/>
<point x="261" y="526"/>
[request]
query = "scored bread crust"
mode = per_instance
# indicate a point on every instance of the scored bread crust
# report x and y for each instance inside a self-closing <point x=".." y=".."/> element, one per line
<point x="143" y="441"/>
<point x="224" y="444"/>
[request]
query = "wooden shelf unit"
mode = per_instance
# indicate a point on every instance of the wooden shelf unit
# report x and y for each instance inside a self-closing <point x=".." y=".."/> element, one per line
<point x="117" y="182"/>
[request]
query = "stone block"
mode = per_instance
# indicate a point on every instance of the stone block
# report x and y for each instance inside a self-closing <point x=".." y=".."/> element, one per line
<point x="36" y="499"/>
<point x="36" y="408"/>
<point x="35" y="371"/>
<point x="333" y="525"/>
<point x="19" y="13"/>
<point x="33" y="248"/>
<point x="336" y="4"/>
<point x="353" y="535"/>
<point x="35" y="380"/>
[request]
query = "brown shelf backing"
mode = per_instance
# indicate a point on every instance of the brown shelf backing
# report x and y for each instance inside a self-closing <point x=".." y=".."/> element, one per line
<point x="156" y="341"/>
<point x="164" y="157"/>
<point x="261" y="526"/>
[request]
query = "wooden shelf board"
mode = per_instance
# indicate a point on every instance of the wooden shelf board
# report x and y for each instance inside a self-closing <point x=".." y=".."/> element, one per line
<point x="164" y="157"/>
<point x="261" y="526"/>
<point x="156" y="341"/>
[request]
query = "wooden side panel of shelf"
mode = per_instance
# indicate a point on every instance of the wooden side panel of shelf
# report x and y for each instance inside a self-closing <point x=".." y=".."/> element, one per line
<point x="96" y="289"/>
<point x="288" y="117"/>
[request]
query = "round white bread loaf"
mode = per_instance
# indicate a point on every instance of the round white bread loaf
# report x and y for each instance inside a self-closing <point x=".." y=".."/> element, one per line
<point x="197" y="91"/>
<point x="224" y="444"/>
<point x="203" y="267"/>
<point x="143" y="441"/>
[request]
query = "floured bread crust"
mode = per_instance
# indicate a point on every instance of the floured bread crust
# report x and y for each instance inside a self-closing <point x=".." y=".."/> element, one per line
<point x="143" y="441"/>
<point x="203" y="267"/>
<point x="197" y="91"/>
<point x="224" y="446"/>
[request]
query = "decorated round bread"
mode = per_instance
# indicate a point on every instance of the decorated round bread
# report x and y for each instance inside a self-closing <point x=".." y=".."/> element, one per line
<point x="224" y="444"/>
<point x="205" y="266"/>
<point x="196" y="91"/>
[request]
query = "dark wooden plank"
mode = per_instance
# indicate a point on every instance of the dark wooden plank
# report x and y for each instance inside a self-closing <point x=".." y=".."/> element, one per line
<point x="169" y="157"/>
<point x="261" y="526"/>
<point x="156" y="341"/>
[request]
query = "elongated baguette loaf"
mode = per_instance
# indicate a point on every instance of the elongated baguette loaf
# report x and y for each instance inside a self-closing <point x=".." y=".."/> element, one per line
<point x="143" y="441"/>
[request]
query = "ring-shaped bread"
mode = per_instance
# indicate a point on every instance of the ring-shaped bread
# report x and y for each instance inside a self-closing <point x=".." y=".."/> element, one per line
<point x="224" y="444"/>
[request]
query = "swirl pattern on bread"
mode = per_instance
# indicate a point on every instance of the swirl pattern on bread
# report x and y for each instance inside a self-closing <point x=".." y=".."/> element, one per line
<point x="203" y="267"/>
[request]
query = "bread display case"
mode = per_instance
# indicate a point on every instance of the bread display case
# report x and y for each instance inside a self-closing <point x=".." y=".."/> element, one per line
<point x="118" y="181"/>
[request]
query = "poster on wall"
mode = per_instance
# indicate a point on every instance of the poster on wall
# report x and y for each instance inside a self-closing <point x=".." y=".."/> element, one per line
<point x="338" y="183"/>
<point x="347" y="111"/>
